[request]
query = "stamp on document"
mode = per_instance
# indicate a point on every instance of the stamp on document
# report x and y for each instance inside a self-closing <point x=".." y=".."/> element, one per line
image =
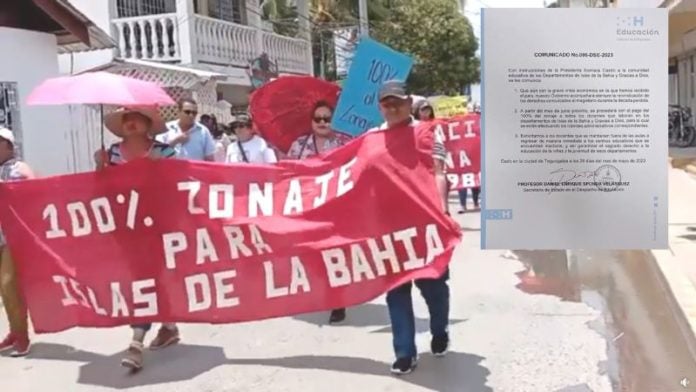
<point x="607" y="178"/>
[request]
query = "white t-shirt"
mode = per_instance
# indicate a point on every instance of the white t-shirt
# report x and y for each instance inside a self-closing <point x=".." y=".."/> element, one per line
<point x="256" y="150"/>
<point x="221" y="146"/>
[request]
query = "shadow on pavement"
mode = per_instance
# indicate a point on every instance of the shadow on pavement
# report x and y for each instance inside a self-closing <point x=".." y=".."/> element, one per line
<point x="177" y="363"/>
<point x="366" y="315"/>
<point x="459" y="372"/>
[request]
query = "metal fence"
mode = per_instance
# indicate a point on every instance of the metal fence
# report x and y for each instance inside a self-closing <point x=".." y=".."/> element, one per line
<point x="130" y="8"/>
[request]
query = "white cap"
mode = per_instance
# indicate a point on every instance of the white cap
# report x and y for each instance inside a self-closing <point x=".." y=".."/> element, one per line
<point x="7" y="135"/>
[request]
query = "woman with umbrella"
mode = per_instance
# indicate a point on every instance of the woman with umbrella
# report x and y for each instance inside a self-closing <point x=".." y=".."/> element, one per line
<point x="137" y="128"/>
<point x="299" y="123"/>
<point x="321" y="138"/>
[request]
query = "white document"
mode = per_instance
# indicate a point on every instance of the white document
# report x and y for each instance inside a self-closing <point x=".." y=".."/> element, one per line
<point x="574" y="128"/>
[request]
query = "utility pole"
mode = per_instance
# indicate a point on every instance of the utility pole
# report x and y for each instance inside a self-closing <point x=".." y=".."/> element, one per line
<point x="364" y="24"/>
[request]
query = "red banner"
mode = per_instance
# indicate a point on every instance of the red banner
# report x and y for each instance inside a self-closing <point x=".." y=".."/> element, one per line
<point x="462" y="135"/>
<point x="178" y="241"/>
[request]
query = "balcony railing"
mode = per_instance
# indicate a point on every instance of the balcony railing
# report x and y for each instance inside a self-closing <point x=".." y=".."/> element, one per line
<point x="152" y="37"/>
<point x="214" y="41"/>
<point x="223" y="43"/>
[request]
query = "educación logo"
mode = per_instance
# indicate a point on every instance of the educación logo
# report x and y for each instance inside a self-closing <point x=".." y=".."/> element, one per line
<point x="634" y="26"/>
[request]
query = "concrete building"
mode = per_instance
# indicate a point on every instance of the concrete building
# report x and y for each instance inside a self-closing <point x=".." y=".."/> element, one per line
<point x="32" y="33"/>
<point x="682" y="52"/>
<point x="220" y="36"/>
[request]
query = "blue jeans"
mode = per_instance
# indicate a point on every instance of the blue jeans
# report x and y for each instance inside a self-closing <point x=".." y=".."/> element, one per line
<point x="436" y="295"/>
<point x="475" y="192"/>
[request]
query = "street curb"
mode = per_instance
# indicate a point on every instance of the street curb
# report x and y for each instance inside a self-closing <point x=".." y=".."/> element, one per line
<point x="680" y="292"/>
<point x="677" y="288"/>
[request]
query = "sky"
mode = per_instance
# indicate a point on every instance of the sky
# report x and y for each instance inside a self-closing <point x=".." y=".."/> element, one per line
<point x="473" y="9"/>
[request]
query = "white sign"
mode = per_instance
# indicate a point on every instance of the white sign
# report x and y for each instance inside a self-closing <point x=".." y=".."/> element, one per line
<point x="574" y="129"/>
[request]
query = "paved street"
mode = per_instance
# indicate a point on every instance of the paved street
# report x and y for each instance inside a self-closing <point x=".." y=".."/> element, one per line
<point x="597" y="323"/>
<point x="689" y="152"/>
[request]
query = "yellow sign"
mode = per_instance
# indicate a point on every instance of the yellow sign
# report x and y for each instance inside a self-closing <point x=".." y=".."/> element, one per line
<point x="449" y="106"/>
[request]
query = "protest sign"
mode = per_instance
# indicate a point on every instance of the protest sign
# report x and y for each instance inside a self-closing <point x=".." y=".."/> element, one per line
<point x="372" y="65"/>
<point x="446" y="107"/>
<point x="462" y="136"/>
<point x="180" y="241"/>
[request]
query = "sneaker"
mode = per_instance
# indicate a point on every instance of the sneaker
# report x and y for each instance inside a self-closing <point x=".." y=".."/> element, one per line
<point x="404" y="365"/>
<point x="7" y="343"/>
<point x="134" y="357"/>
<point x="337" y="315"/>
<point x="165" y="337"/>
<point x="21" y="347"/>
<point x="439" y="345"/>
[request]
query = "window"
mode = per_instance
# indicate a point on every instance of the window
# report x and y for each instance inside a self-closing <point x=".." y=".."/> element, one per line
<point x="129" y="8"/>
<point x="9" y="112"/>
<point x="229" y="10"/>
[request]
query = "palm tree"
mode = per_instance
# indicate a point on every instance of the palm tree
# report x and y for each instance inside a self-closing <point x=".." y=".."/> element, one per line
<point x="325" y="16"/>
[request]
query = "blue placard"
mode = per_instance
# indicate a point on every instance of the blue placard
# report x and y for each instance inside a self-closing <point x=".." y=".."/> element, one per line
<point x="373" y="64"/>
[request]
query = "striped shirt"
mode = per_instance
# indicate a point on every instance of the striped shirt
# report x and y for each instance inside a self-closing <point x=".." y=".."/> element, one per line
<point x="9" y="171"/>
<point x="157" y="150"/>
<point x="306" y="146"/>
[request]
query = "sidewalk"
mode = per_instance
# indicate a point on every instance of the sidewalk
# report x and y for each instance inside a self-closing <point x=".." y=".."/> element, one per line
<point x="677" y="265"/>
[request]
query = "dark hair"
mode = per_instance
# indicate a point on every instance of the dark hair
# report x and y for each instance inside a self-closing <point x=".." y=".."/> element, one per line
<point x="184" y="100"/>
<point x="431" y="115"/>
<point x="421" y="105"/>
<point x="322" y="104"/>
<point x="206" y="117"/>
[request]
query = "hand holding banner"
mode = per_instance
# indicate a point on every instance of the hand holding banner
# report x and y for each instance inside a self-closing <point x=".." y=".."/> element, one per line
<point x="175" y="241"/>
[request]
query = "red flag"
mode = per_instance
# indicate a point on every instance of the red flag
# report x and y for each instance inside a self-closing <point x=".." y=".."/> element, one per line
<point x="186" y="241"/>
<point x="462" y="136"/>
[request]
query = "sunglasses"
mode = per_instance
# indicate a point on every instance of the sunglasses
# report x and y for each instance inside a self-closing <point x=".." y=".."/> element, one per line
<point x="190" y="112"/>
<point x="322" y="119"/>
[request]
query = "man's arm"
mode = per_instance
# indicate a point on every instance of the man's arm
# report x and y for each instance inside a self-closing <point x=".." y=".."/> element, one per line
<point x="25" y="171"/>
<point x="441" y="182"/>
<point x="208" y="145"/>
<point x="439" y="158"/>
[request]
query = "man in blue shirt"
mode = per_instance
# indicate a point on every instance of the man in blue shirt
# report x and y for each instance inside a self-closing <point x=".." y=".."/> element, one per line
<point x="191" y="139"/>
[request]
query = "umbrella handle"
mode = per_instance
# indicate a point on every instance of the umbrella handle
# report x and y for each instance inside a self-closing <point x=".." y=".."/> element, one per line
<point x="101" y="112"/>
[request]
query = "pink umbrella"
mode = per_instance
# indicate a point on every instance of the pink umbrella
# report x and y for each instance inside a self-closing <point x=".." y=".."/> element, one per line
<point x="101" y="88"/>
<point x="98" y="88"/>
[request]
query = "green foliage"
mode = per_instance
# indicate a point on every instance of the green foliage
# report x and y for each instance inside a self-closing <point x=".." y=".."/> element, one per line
<point x="439" y="38"/>
<point x="282" y="15"/>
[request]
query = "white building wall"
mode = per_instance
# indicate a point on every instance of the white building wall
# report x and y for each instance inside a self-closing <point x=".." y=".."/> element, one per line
<point x="99" y="11"/>
<point x="43" y="128"/>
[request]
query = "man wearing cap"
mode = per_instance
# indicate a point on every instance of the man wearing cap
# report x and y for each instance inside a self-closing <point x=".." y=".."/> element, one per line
<point x="17" y="340"/>
<point x="191" y="139"/>
<point x="395" y="105"/>
<point x="249" y="147"/>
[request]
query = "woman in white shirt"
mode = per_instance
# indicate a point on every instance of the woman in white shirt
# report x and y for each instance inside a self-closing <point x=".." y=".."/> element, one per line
<point x="249" y="147"/>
